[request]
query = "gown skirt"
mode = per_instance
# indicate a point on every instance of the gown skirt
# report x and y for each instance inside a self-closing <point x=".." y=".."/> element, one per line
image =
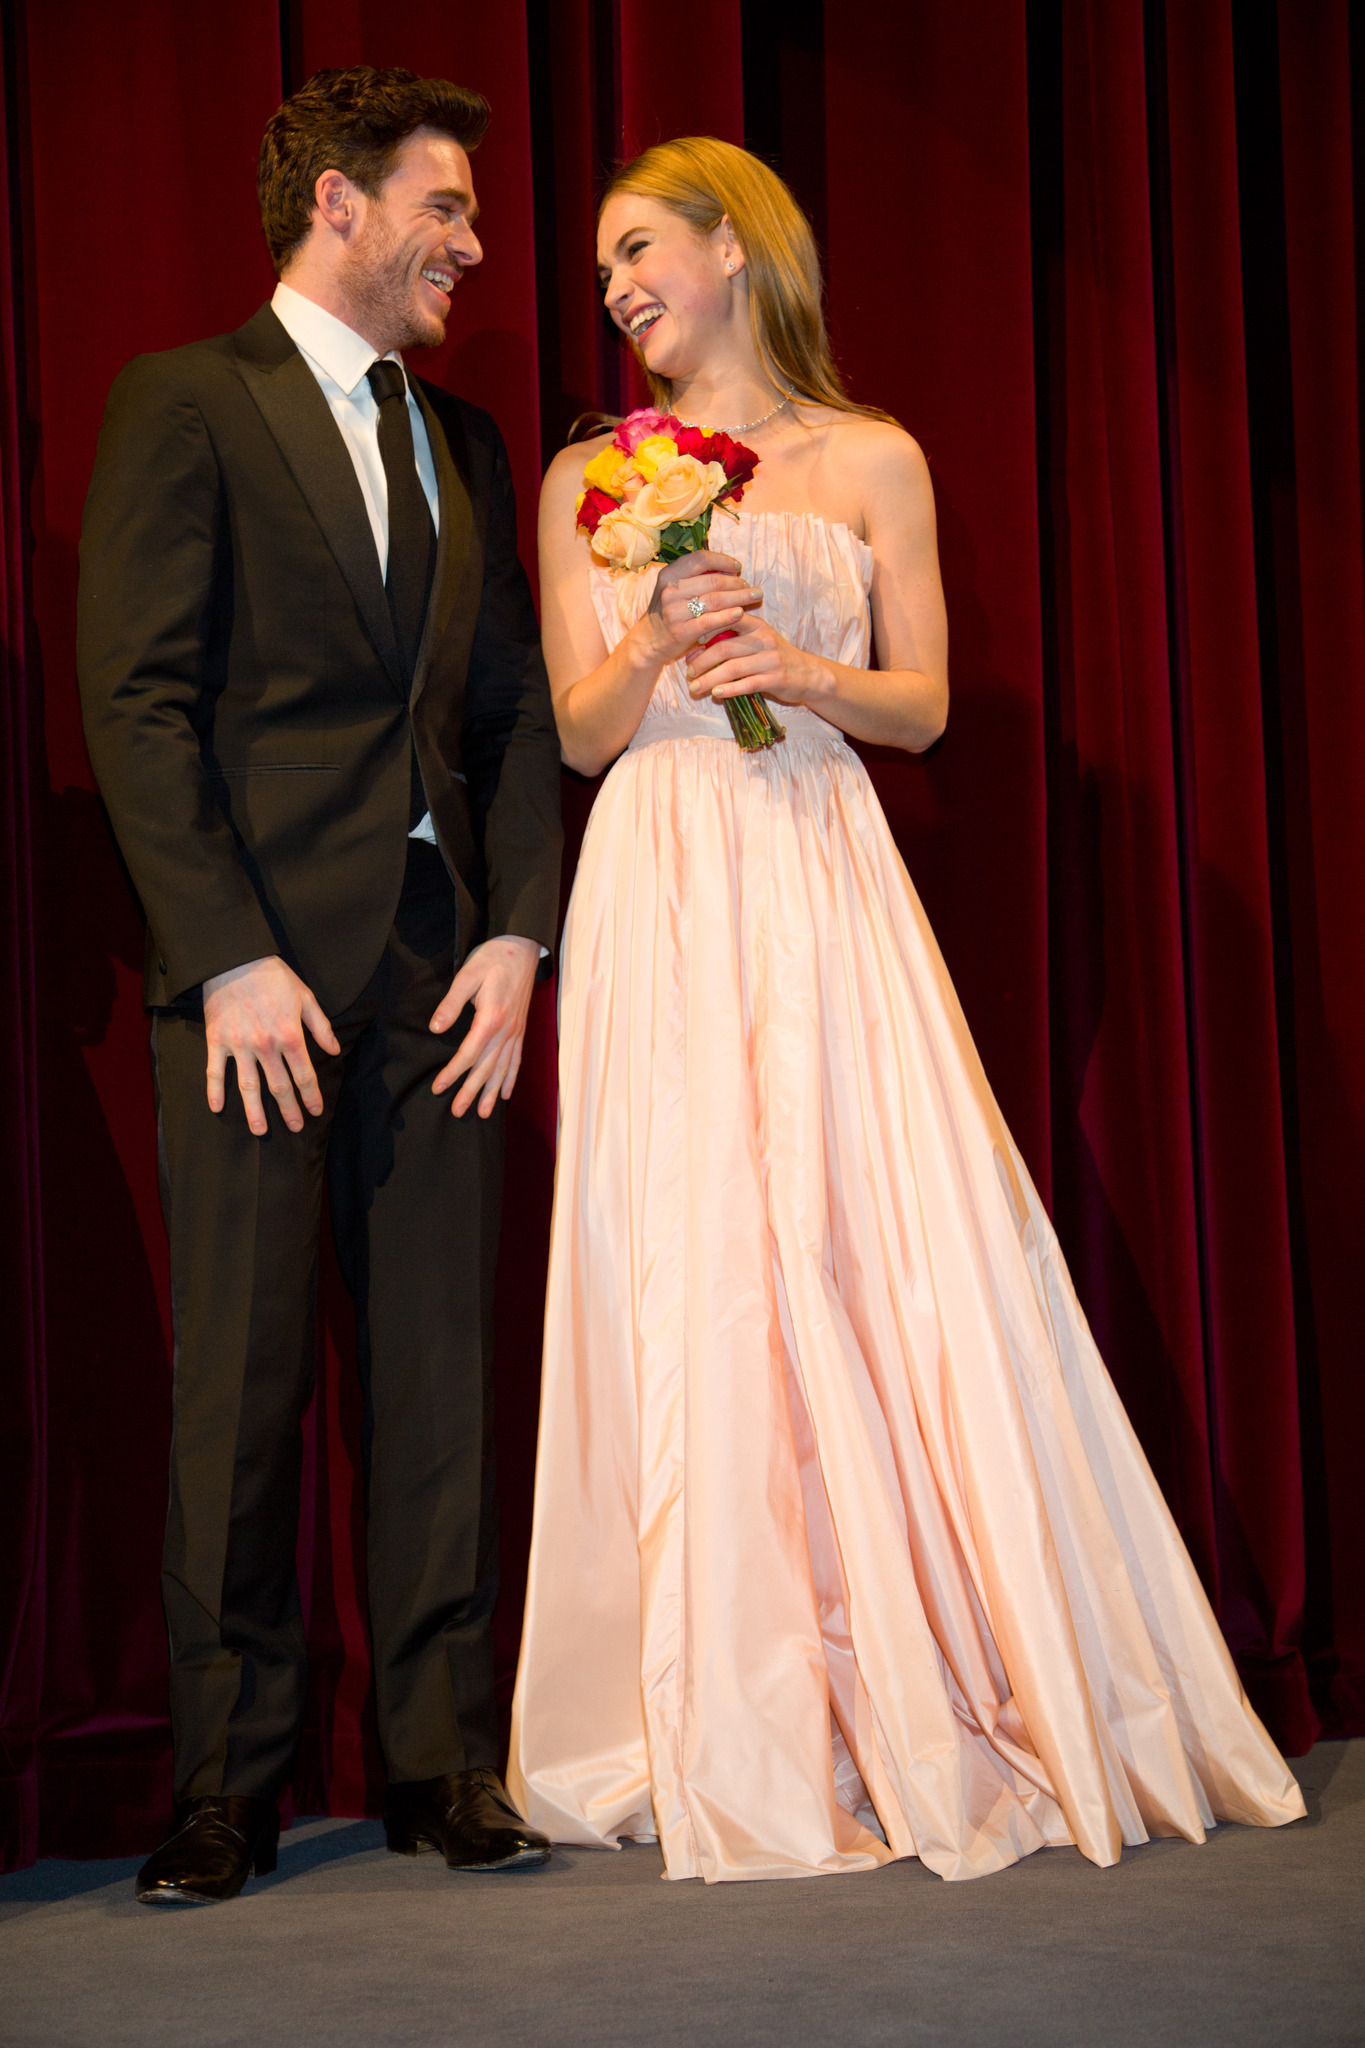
<point x="845" y="1549"/>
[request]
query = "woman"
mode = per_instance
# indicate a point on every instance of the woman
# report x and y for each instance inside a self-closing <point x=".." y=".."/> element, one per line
<point x="844" y="1547"/>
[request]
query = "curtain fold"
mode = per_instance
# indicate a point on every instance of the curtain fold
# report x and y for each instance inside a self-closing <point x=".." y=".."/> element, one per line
<point x="23" y="1392"/>
<point x="181" y="256"/>
<point x="661" y="94"/>
<point x="1221" y="782"/>
<point x="1123" y="1168"/>
<point x="1102" y="259"/>
<point x="1320" y="602"/>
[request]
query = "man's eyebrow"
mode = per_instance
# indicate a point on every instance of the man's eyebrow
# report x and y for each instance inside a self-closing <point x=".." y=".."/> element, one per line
<point x="455" y="195"/>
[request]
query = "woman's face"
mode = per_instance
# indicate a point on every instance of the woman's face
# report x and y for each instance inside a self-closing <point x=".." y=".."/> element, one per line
<point x="665" y="286"/>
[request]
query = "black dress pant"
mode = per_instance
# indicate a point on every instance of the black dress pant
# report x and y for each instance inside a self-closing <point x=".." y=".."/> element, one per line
<point x="415" y="1199"/>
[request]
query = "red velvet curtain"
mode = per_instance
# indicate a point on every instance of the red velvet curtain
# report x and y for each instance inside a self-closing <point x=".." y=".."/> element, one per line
<point x="1102" y="257"/>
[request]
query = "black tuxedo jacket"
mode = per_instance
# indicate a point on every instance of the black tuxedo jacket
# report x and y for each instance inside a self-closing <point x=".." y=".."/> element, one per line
<point x="244" y="702"/>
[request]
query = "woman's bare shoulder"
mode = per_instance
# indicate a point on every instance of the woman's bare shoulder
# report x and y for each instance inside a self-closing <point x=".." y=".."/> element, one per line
<point x="565" y="473"/>
<point x="868" y="454"/>
<point x="878" y="451"/>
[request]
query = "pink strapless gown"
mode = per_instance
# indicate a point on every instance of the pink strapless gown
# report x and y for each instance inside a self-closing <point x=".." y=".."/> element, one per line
<point x="844" y="1547"/>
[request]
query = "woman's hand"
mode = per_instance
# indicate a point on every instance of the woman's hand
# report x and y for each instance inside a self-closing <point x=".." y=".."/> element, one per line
<point x="758" y="662"/>
<point x="710" y="580"/>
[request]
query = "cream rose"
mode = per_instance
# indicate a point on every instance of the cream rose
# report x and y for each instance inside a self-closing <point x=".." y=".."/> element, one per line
<point x="622" y="542"/>
<point x="680" y="490"/>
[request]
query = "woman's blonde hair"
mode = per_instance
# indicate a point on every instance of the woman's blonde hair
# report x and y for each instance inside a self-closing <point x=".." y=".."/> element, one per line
<point x="704" y="180"/>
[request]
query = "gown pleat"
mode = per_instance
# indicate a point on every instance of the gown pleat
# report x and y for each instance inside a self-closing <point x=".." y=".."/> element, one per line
<point x="844" y="1546"/>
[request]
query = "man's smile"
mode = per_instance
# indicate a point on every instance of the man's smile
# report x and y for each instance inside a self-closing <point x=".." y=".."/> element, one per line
<point x="441" y="279"/>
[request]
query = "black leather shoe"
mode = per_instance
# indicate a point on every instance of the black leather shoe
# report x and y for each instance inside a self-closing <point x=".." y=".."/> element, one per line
<point x="468" y="1816"/>
<point x="218" y="1843"/>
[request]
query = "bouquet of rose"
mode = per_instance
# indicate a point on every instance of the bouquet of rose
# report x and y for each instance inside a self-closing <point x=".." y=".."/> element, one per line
<point x="650" y="497"/>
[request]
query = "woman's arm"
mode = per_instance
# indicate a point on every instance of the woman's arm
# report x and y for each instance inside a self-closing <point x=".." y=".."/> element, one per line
<point x="904" y="701"/>
<point x="600" y="697"/>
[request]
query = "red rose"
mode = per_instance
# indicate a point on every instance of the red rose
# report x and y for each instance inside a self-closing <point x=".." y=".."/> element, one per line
<point x="738" y="462"/>
<point x="595" y="506"/>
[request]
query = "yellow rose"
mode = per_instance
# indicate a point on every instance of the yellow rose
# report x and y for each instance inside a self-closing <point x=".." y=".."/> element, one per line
<point x="604" y="471"/>
<point x="623" y="543"/>
<point x="651" y="452"/>
<point x="681" y="489"/>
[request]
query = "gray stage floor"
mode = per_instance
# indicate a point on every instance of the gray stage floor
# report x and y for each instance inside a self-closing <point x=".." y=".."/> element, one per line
<point x="1254" y="1939"/>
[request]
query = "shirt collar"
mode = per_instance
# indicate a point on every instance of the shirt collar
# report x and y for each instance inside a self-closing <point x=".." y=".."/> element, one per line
<point x="335" y="347"/>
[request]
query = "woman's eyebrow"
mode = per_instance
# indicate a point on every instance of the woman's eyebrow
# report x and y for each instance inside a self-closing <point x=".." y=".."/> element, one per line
<point x="620" y="244"/>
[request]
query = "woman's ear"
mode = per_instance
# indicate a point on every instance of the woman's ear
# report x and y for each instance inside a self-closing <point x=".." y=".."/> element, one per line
<point x="731" y="255"/>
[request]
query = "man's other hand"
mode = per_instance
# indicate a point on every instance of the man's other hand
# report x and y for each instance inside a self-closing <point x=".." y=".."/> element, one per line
<point x="497" y="978"/>
<point x="255" y="1015"/>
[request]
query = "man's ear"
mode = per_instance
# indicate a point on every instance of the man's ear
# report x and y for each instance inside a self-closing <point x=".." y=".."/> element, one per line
<point x="335" y="199"/>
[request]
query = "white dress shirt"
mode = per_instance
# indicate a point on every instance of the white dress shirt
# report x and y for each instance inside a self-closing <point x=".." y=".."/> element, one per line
<point x="339" y="357"/>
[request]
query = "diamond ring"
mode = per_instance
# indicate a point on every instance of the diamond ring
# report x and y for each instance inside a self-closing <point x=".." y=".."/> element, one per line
<point x="696" y="605"/>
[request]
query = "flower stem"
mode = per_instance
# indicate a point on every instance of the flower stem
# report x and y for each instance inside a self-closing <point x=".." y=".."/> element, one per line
<point x="752" y="723"/>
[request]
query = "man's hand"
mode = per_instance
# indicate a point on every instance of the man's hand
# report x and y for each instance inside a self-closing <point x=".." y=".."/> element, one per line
<point x="497" y="978"/>
<point x="255" y="1015"/>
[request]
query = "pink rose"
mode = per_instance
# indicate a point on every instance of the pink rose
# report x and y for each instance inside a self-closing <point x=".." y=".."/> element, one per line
<point x="639" y="425"/>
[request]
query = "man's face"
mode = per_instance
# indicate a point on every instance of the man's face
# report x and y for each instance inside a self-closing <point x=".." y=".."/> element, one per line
<point x="414" y="243"/>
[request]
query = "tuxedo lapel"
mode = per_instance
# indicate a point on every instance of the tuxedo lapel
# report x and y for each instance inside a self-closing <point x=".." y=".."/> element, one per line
<point x="453" y="546"/>
<point x="292" y="406"/>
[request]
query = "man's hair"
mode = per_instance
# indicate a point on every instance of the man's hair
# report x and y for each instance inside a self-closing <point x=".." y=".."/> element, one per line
<point x="354" y="122"/>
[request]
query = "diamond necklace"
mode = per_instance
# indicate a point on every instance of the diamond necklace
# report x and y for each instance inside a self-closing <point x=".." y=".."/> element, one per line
<point x="745" y="426"/>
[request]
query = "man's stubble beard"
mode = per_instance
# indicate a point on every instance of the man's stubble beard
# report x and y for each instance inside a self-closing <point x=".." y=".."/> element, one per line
<point x="381" y="289"/>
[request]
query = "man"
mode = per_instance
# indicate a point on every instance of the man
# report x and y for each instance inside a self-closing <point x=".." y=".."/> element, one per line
<point x="315" y="702"/>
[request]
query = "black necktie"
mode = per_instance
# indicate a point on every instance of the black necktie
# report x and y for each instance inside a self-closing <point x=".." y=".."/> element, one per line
<point x="412" y="537"/>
